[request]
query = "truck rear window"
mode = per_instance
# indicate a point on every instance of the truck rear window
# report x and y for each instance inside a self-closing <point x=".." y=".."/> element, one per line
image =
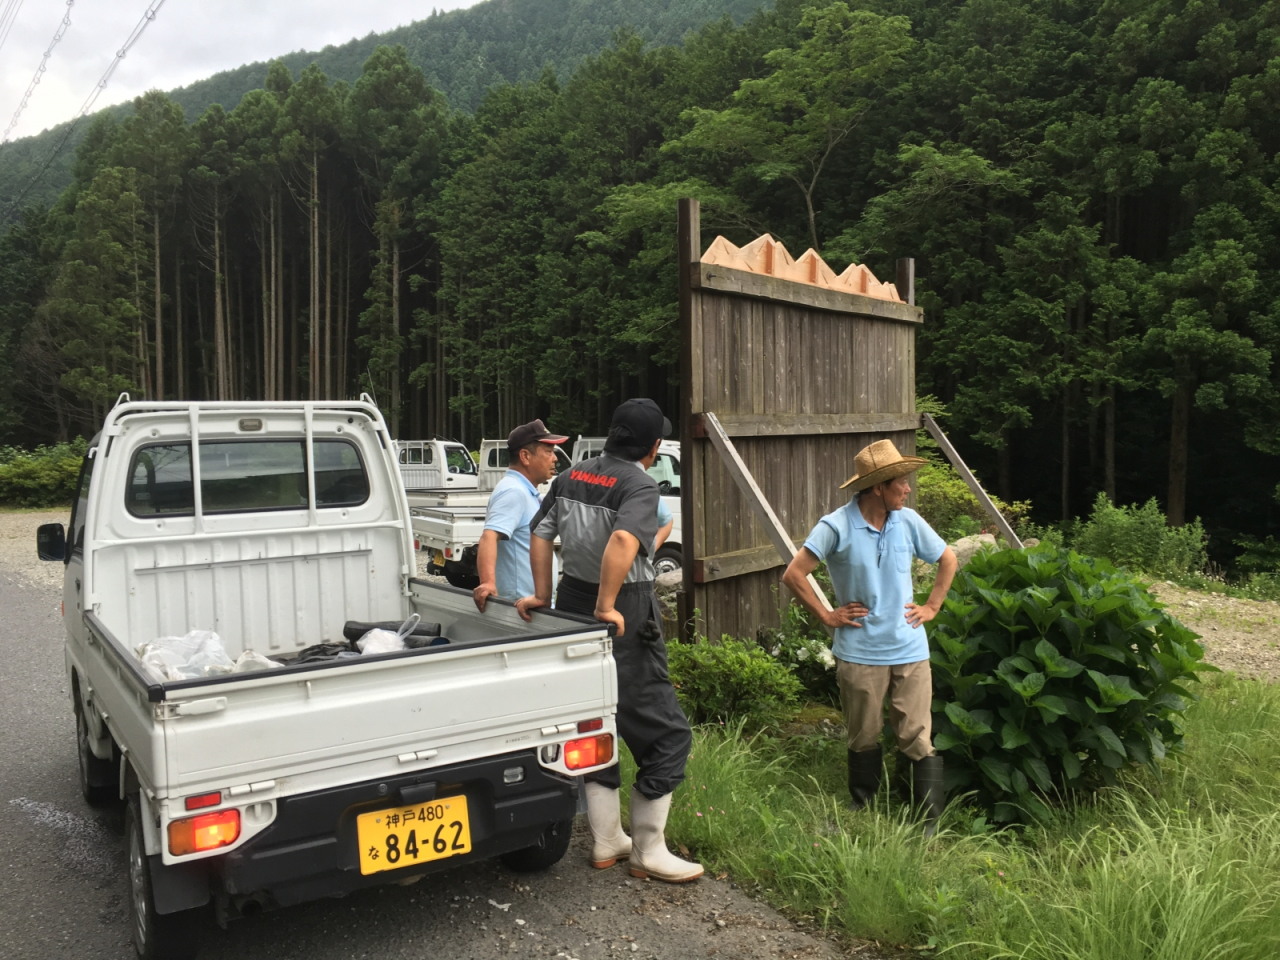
<point x="243" y="475"/>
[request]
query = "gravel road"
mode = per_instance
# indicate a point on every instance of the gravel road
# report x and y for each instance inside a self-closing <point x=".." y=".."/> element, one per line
<point x="62" y="892"/>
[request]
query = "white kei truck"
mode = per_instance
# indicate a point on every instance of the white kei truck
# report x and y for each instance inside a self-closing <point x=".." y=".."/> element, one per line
<point x="435" y="466"/>
<point x="448" y="526"/>
<point x="315" y="778"/>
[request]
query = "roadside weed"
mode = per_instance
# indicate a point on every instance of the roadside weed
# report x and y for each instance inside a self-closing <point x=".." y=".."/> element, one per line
<point x="1183" y="862"/>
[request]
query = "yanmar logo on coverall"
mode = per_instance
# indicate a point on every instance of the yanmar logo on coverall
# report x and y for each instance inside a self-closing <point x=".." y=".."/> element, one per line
<point x="594" y="478"/>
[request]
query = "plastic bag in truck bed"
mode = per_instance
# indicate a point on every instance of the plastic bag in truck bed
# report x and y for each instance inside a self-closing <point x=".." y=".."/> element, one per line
<point x="199" y="653"/>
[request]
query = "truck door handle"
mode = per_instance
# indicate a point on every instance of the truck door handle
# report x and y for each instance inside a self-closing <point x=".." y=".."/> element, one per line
<point x="77" y="586"/>
<point x="583" y="650"/>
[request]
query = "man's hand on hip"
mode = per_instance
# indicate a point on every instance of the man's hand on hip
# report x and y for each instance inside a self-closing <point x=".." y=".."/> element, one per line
<point x="846" y="616"/>
<point x="918" y="613"/>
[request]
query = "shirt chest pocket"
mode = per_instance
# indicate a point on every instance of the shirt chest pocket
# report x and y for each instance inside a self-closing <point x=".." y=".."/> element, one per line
<point x="902" y="557"/>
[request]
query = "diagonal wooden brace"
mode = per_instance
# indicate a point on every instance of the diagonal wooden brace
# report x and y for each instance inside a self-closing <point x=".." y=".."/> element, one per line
<point x="747" y="484"/>
<point x="967" y="476"/>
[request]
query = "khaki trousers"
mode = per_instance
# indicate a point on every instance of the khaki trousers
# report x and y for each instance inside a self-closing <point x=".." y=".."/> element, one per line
<point x="909" y="687"/>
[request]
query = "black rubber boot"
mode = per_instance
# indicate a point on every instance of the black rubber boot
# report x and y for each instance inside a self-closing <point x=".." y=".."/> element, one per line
<point x="865" y="769"/>
<point x="900" y="781"/>
<point x="929" y="791"/>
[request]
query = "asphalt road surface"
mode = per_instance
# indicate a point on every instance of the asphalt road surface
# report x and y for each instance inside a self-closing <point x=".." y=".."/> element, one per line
<point x="62" y="887"/>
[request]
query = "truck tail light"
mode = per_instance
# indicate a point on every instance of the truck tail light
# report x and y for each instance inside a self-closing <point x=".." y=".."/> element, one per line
<point x="206" y="832"/>
<point x="589" y="751"/>
<point x="586" y="726"/>
<point x="448" y="551"/>
<point x="416" y="544"/>
<point x="204" y="800"/>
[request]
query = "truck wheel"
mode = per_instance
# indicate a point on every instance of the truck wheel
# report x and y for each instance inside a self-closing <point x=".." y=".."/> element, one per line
<point x="156" y="936"/>
<point x="547" y="852"/>
<point x="459" y="576"/>
<point x="98" y="783"/>
<point x="667" y="560"/>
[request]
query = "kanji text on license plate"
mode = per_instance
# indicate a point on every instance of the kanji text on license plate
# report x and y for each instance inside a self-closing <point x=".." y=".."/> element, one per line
<point x="403" y="836"/>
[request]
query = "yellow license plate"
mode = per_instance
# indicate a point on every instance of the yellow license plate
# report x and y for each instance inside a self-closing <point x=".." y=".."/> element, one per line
<point x="404" y="836"/>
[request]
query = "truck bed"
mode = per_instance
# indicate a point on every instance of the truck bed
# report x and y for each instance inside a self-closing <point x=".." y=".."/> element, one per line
<point x="495" y="687"/>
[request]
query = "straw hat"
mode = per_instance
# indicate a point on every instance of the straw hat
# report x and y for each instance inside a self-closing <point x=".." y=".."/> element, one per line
<point x="880" y="462"/>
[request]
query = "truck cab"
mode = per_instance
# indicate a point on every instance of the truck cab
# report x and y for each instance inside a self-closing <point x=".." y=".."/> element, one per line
<point x="432" y="465"/>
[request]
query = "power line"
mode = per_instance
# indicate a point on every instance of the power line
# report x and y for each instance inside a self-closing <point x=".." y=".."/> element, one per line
<point x="148" y="15"/>
<point x="7" y="17"/>
<point x="63" y="26"/>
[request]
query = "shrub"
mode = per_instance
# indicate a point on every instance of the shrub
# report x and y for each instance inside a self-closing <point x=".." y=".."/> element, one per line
<point x="945" y="501"/>
<point x="1258" y="556"/>
<point x="1139" y="538"/>
<point x="805" y="652"/>
<point x="1052" y="672"/>
<point x="732" y="680"/>
<point x="43" y="477"/>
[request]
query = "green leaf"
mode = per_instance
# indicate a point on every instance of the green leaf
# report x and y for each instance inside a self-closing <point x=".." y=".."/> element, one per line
<point x="1050" y="707"/>
<point x="1011" y="737"/>
<point x="998" y="771"/>
<point x="1115" y="690"/>
<point x="1107" y="604"/>
<point x="1070" y="765"/>
<point x="967" y="723"/>
<point x="1109" y="738"/>
<point x="1038" y="771"/>
<point x="944" y="741"/>
<point x="1055" y="664"/>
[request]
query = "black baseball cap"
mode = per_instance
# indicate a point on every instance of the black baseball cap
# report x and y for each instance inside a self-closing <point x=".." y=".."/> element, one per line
<point x="533" y="432"/>
<point x="637" y="423"/>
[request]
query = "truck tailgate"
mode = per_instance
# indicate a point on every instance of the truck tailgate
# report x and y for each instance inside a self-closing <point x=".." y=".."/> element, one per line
<point x="359" y="719"/>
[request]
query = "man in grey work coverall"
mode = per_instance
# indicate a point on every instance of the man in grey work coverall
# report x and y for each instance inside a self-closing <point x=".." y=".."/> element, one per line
<point x="605" y="512"/>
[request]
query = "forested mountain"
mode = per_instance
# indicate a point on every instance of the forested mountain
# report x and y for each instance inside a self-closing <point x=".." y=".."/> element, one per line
<point x="462" y="52"/>
<point x="1089" y="190"/>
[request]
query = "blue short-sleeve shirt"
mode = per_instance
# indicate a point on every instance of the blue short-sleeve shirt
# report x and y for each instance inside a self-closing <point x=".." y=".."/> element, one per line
<point x="513" y="504"/>
<point x="874" y="567"/>
<point x="664" y="514"/>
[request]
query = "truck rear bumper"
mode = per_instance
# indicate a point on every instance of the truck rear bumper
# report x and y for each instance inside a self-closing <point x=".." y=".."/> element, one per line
<point x="310" y="850"/>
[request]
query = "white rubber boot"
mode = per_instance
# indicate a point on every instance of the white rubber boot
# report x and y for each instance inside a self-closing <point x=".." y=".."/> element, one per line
<point x="604" y="816"/>
<point x="650" y="856"/>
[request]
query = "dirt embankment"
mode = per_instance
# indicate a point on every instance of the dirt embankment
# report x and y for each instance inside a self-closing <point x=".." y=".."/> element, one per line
<point x="1242" y="636"/>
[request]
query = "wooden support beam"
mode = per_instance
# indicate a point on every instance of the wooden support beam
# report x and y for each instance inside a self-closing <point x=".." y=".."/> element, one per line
<point x="751" y="491"/>
<point x="747" y="284"/>
<point x="722" y="566"/>
<point x="813" y="424"/>
<point x="967" y="476"/>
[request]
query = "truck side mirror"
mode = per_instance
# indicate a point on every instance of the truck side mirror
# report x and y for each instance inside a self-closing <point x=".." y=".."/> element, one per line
<point x="51" y="541"/>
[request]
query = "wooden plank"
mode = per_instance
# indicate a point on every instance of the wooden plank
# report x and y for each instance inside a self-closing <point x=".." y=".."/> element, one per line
<point x="689" y="245"/>
<point x="738" y="563"/>
<point x="967" y="476"/>
<point x="759" y="285"/>
<point x="751" y="492"/>
<point x="814" y="424"/>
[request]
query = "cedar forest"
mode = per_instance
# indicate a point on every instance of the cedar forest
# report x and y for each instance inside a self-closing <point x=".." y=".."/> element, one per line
<point x="1089" y="189"/>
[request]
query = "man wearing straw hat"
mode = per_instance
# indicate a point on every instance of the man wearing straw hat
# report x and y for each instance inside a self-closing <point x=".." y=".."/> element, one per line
<point x="880" y="644"/>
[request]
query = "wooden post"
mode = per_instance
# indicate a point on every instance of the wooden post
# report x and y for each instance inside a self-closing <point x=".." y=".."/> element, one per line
<point x="689" y="254"/>
<point x="751" y="491"/>
<point x="967" y="476"/>
<point x="906" y="280"/>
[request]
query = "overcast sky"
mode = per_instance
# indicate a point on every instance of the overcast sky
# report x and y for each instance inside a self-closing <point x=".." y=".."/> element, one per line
<point x="188" y="40"/>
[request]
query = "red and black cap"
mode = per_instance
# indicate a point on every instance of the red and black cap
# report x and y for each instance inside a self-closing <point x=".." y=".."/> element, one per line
<point x="532" y="432"/>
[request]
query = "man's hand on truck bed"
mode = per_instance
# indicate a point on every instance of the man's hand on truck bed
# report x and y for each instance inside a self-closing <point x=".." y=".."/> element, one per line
<point x="525" y="604"/>
<point x="483" y="592"/>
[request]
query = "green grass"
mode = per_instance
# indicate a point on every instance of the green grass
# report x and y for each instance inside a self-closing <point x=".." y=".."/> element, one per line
<point x="1183" y="866"/>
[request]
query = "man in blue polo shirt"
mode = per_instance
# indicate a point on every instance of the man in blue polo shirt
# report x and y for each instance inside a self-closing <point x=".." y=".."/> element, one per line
<point x="502" y="559"/>
<point x="880" y="644"/>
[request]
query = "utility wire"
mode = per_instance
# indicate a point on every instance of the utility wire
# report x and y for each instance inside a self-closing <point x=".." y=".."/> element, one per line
<point x="63" y="26"/>
<point x="148" y="15"/>
<point x="7" y="17"/>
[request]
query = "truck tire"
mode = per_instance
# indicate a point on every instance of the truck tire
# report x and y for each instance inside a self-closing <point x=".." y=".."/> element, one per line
<point x="172" y="936"/>
<point x="546" y="853"/>
<point x="667" y="560"/>
<point x="460" y="576"/>
<point x="98" y="783"/>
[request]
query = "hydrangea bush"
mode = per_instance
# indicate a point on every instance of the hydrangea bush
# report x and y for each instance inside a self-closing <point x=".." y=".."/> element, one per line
<point x="1052" y="672"/>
